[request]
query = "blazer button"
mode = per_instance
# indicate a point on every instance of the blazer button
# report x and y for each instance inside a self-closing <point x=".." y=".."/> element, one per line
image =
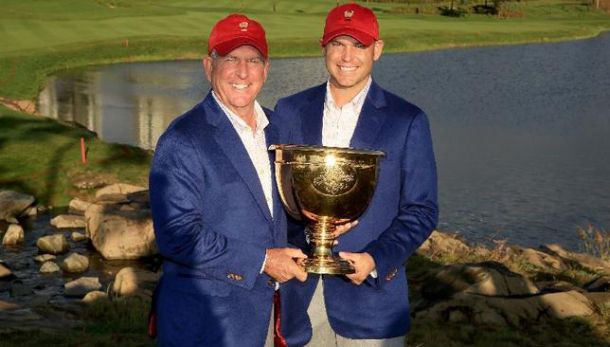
<point x="390" y="276"/>
<point x="234" y="277"/>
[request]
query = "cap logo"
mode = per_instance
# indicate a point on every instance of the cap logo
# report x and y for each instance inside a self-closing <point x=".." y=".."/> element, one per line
<point x="243" y="26"/>
<point x="348" y="14"/>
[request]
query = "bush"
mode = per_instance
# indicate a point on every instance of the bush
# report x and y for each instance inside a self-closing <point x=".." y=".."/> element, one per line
<point x="451" y="12"/>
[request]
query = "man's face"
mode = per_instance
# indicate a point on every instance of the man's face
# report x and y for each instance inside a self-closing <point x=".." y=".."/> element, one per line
<point x="349" y="62"/>
<point x="237" y="78"/>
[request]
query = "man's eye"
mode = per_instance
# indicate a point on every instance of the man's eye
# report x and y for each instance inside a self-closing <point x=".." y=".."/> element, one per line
<point x="255" y="61"/>
<point x="231" y="60"/>
<point x="359" y="45"/>
<point x="335" y="43"/>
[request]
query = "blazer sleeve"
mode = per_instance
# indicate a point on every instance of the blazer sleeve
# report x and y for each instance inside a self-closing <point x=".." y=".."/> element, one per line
<point x="177" y="197"/>
<point x="418" y="207"/>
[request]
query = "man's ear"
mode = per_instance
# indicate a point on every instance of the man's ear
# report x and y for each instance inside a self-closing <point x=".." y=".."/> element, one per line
<point x="377" y="49"/>
<point x="208" y="66"/>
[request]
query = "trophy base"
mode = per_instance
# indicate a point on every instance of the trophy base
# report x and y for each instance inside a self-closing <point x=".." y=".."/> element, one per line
<point x="328" y="266"/>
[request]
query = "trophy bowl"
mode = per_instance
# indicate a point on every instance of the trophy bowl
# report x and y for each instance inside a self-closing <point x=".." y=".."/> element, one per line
<point x="326" y="186"/>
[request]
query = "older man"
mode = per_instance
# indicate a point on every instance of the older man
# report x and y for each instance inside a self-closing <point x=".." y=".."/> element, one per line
<point x="369" y="307"/>
<point x="218" y="221"/>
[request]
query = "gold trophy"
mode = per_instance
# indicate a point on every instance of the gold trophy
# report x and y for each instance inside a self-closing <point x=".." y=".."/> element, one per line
<point x="326" y="186"/>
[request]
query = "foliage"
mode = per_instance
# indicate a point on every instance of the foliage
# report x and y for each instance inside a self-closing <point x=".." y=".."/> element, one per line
<point x="595" y="241"/>
<point x="451" y="12"/>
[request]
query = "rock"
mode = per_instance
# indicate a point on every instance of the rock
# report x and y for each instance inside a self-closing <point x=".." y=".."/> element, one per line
<point x="13" y="204"/>
<point x="5" y="272"/>
<point x="76" y="236"/>
<point x="580" y="259"/>
<point x="8" y="306"/>
<point x="120" y="234"/>
<point x="600" y="284"/>
<point x="95" y="296"/>
<point x="75" y="263"/>
<point x="78" y="206"/>
<point x="14" y="235"/>
<point x="89" y="180"/>
<point x="601" y="300"/>
<point x="118" y="189"/>
<point x="542" y="260"/>
<point x="82" y="286"/>
<point x="44" y="257"/>
<point x="131" y="281"/>
<point x="54" y="244"/>
<point x="488" y="278"/>
<point x="68" y="221"/>
<point x="49" y="267"/>
<point x="31" y="211"/>
<point x="512" y="311"/>
<point x="441" y="243"/>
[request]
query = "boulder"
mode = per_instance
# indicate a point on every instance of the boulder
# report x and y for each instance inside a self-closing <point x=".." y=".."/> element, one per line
<point x="95" y="296"/>
<point x="49" y="267"/>
<point x="14" y="235"/>
<point x="487" y="278"/>
<point x="44" y="257"/>
<point x="5" y="272"/>
<point x="75" y="263"/>
<point x="441" y="243"/>
<point x="542" y="260"/>
<point x="78" y="206"/>
<point x="118" y="189"/>
<point x="76" y="236"/>
<point x="54" y="244"/>
<point x="68" y="221"/>
<point x="119" y="234"/>
<point x="13" y="204"/>
<point x="131" y="281"/>
<point x="514" y="311"/>
<point x="80" y="287"/>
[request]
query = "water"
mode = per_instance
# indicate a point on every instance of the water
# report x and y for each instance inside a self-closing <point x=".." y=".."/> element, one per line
<point x="520" y="132"/>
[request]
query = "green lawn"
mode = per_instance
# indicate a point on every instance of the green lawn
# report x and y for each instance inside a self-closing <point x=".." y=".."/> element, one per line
<point x="39" y="37"/>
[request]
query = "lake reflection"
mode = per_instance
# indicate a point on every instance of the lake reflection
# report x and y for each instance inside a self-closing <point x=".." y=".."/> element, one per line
<point x="520" y="132"/>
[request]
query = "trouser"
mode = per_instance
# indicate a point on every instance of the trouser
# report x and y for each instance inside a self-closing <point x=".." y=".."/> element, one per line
<point x="324" y="336"/>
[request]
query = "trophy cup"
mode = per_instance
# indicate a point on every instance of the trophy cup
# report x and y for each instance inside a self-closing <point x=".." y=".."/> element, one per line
<point x="326" y="186"/>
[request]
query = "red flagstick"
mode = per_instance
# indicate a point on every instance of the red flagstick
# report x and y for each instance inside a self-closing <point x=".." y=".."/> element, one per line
<point x="83" y="151"/>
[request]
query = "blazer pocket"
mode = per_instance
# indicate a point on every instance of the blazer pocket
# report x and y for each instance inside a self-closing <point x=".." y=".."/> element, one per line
<point x="201" y="283"/>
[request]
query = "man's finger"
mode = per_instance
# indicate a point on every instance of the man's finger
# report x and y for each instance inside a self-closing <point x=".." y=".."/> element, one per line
<point x="294" y="253"/>
<point x="348" y="256"/>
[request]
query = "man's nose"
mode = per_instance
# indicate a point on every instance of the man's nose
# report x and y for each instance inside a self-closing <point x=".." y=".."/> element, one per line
<point x="348" y="53"/>
<point x="242" y="68"/>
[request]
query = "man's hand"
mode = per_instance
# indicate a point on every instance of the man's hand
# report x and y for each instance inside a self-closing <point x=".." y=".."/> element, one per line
<point x="343" y="228"/>
<point x="281" y="264"/>
<point x="364" y="264"/>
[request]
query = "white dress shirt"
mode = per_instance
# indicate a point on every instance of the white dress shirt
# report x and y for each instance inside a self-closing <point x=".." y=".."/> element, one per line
<point x="256" y="145"/>
<point x="339" y="123"/>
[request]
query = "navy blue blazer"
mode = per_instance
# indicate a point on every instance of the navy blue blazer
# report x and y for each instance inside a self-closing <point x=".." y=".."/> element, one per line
<point x="212" y="227"/>
<point x="402" y="214"/>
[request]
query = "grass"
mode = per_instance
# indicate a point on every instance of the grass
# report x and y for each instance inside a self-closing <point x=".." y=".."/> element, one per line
<point x="120" y="322"/>
<point x="38" y="38"/>
<point x="41" y="157"/>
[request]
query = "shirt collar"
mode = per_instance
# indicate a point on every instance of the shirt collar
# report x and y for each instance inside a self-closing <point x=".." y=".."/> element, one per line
<point x="238" y="122"/>
<point x="356" y="102"/>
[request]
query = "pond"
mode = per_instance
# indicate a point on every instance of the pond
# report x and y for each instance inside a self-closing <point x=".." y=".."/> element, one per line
<point x="521" y="132"/>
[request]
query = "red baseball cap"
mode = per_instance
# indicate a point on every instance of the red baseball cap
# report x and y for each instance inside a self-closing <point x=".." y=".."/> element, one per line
<point x="237" y="30"/>
<point x="351" y="20"/>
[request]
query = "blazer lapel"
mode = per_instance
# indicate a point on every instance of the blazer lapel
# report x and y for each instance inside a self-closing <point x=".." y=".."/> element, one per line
<point x="232" y="146"/>
<point x="371" y="119"/>
<point x="311" y="117"/>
